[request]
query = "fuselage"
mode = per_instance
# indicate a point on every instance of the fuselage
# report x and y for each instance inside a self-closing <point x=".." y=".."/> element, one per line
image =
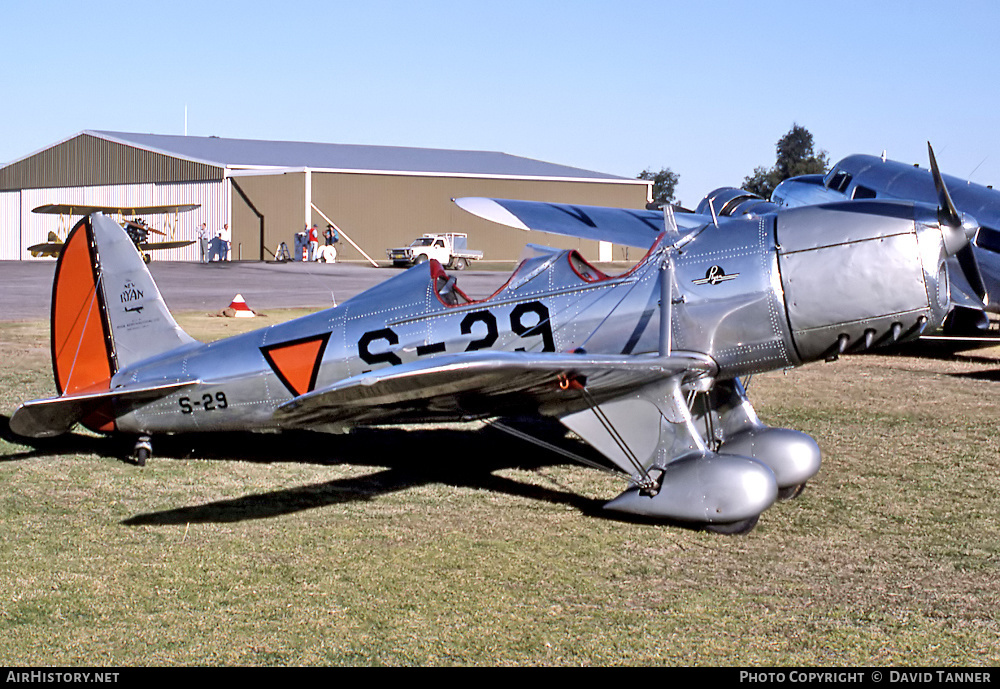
<point x="754" y="295"/>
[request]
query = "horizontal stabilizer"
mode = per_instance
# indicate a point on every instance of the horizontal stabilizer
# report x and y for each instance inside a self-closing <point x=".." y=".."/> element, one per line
<point x="55" y="415"/>
<point x="481" y="384"/>
<point x="623" y="226"/>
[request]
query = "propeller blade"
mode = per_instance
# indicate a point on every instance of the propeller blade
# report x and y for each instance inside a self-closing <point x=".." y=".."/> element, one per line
<point x="947" y="213"/>
<point x="142" y="226"/>
<point x="949" y="216"/>
<point x="970" y="268"/>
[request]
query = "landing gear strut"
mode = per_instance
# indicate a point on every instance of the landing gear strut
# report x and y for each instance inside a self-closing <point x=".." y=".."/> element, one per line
<point x="143" y="450"/>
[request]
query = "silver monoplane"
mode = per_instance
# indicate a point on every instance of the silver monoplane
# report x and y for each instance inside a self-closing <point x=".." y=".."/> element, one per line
<point x="644" y="366"/>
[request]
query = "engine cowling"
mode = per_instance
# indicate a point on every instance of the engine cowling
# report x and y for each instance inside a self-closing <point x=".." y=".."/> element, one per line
<point x="875" y="272"/>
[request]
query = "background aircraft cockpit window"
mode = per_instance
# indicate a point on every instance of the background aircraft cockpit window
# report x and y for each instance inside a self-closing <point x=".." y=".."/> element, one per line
<point x="863" y="192"/>
<point x="838" y="180"/>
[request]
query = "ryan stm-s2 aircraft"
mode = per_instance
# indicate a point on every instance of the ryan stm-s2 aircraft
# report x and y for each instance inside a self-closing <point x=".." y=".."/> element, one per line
<point x="643" y="366"/>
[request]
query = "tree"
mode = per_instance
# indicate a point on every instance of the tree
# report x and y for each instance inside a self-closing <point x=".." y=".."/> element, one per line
<point x="762" y="182"/>
<point x="664" y="184"/>
<point x="795" y="156"/>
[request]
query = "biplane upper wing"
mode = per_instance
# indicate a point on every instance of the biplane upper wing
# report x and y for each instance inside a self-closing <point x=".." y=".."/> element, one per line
<point x="624" y="226"/>
<point x="81" y="209"/>
<point x="481" y="384"/>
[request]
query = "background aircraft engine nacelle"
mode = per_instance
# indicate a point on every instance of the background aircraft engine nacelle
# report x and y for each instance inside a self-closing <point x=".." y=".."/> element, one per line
<point x="862" y="278"/>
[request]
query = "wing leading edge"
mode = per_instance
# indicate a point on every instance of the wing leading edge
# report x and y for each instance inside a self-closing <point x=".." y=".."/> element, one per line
<point x="482" y="384"/>
<point x="623" y="226"/>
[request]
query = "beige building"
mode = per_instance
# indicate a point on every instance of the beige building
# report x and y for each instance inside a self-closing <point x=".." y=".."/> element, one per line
<point x="378" y="196"/>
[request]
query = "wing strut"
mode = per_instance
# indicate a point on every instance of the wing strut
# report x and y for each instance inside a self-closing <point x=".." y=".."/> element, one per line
<point x="647" y="482"/>
<point x="666" y="304"/>
<point x="527" y="437"/>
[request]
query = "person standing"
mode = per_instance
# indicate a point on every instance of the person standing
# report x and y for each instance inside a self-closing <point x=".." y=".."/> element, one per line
<point x="313" y="242"/>
<point x="203" y="242"/>
<point x="227" y="241"/>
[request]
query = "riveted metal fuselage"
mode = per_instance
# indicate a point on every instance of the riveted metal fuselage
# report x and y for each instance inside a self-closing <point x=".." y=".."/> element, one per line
<point x="738" y="294"/>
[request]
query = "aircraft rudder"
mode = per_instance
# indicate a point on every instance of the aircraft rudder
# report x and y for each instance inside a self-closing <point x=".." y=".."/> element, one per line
<point x="82" y="353"/>
<point x="107" y="312"/>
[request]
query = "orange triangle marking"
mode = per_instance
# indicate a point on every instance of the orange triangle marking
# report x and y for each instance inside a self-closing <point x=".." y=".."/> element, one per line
<point x="296" y="363"/>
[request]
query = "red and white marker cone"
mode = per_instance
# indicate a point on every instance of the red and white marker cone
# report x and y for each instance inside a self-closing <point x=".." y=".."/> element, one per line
<point x="240" y="309"/>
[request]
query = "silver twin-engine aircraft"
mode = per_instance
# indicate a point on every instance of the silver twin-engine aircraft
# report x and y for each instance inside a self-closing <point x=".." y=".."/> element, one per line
<point x="975" y="285"/>
<point x="643" y="366"/>
<point x="864" y="177"/>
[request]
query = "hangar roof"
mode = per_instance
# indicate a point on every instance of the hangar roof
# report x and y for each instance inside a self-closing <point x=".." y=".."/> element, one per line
<point x="252" y="153"/>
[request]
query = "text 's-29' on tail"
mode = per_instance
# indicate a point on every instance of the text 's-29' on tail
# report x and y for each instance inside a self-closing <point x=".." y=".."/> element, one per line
<point x="107" y="314"/>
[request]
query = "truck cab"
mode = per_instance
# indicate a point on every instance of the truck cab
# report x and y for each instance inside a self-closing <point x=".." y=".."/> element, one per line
<point x="450" y="249"/>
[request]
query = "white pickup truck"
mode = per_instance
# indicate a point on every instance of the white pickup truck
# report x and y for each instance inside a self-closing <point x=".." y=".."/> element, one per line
<point x="449" y="248"/>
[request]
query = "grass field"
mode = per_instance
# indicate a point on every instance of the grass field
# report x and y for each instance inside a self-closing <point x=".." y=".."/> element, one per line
<point x="459" y="545"/>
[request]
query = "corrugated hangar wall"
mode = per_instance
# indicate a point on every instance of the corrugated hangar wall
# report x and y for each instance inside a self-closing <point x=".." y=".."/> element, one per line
<point x="21" y="228"/>
<point x="90" y="170"/>
<point x="380" y="211"/>
<point x="281" y="200"/>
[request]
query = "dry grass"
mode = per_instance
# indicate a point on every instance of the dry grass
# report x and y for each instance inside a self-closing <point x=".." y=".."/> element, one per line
<point x="460" y="546"/>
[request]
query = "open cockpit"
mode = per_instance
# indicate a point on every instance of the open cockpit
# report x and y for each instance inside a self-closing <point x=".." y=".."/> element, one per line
<point x="546" y="269"/>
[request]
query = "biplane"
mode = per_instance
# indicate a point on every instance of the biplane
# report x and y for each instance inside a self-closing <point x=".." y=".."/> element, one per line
<point x="136" y="228"/>
<point x="647" y="366"/>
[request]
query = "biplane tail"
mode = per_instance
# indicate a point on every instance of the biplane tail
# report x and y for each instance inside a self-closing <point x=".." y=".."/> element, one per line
<point x="107" y="314"/>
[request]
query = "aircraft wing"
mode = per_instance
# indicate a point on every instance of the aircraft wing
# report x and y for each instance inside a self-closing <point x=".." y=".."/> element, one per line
<point x="46" y="249"/>
<point x="482" y="384"/>
<point x="624" y="226"/>
<point x="75" y="209"/>
<point x="153" y="246"/>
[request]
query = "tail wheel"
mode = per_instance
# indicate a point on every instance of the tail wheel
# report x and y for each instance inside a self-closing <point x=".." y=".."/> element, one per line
<point x="143" y="450"/>
<point x="461" y="264"/>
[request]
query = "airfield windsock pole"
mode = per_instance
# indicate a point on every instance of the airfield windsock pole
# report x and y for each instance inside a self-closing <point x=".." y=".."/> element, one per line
<point x="344" y="235"/>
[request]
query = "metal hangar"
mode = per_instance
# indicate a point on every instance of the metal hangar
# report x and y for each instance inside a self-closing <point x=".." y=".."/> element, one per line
<point x="379" y="196"/>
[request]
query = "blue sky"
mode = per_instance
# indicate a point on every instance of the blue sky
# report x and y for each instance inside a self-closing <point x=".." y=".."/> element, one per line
<point x="704" y="88"/>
